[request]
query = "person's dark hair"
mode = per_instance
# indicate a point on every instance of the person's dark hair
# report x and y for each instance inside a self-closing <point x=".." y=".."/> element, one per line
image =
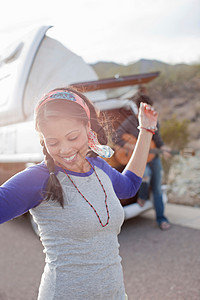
<point x="142" y="98"/>
<point x="142" y="89"/>
<point x="58" y="108"/>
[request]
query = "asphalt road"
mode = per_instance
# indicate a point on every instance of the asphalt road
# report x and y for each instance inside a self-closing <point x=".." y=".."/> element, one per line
<point x="157" y="265"/>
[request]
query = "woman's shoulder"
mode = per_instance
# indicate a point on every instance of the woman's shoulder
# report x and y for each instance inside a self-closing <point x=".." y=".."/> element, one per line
<point x="101" y="164"/>
<point x="98" y="162"/>
<point x="39" y="169"/>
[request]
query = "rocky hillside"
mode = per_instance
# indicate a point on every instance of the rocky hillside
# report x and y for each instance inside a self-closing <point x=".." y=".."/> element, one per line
<point x="184" y="181"/>
<point x="108" y="69"/>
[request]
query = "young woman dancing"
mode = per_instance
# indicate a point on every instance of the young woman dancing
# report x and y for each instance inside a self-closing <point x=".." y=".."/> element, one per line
<point x="74" y="195"/>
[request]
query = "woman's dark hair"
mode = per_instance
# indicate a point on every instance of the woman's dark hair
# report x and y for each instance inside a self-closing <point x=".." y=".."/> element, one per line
<point x="142" y="98"/>
<point x="58" y="108"/>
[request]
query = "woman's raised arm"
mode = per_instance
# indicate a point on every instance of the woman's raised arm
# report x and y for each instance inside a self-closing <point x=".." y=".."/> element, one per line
<point x="147" y="124"/>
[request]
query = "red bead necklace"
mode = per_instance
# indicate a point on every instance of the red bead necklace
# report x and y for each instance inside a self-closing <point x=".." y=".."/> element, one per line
<point x="103" y="225"/>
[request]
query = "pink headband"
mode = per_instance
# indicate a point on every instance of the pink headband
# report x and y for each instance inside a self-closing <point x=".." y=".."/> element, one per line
<point x="64" y="95"/>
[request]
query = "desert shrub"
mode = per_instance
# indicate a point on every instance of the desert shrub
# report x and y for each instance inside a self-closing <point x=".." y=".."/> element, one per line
<point x="175" y="134"/>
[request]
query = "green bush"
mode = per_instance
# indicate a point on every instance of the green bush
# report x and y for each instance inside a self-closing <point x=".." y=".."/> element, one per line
<point x="175" y="134"/>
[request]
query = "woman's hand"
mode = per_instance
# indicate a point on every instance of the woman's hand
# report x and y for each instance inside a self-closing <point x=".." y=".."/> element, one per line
<point x="147" y="116"/>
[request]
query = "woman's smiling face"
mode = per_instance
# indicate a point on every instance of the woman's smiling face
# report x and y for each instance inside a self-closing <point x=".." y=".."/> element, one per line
<point x="66" y="141"/>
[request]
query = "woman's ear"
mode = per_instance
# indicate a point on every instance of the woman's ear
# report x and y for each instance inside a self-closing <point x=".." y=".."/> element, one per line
<point x="41" y="139"/>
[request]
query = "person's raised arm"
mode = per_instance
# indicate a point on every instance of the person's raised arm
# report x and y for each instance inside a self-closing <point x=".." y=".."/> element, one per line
<point x="147" y="124"/>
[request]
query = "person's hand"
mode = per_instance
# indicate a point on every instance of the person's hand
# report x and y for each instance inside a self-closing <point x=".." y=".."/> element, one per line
<point x="166" y="151"/>
<point x="147" y="116"/>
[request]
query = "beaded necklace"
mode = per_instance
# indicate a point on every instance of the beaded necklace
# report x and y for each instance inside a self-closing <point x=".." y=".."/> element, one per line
<point x="103" y="225"/>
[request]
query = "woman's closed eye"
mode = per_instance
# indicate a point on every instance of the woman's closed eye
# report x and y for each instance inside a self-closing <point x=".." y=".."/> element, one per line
<point x="72" y="138"/>
<point x="52" y="144"/>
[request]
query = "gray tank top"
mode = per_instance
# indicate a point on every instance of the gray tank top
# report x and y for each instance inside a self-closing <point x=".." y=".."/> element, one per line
<point x="82" y="257"/>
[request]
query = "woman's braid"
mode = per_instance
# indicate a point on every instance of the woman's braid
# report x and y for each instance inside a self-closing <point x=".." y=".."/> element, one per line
<point x="54" y="188"/>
